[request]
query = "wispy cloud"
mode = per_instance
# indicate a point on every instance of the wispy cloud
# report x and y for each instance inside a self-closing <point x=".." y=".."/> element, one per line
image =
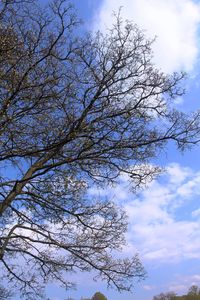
<point x="174" y="22"/>
<point x="148" y="287"/>
<point x="164" y="218"/>
<point x="161" y="219"/>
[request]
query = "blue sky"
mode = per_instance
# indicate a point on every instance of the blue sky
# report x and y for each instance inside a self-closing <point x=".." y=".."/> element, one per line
<point x="165" y="218"/>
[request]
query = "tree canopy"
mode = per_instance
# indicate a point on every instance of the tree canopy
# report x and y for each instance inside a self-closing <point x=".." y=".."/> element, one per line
<point x="76" y="111"/>
<point x="98" y="296"/>
<point x="193" y="294"/>
<point x="187" y="297"/>
<point x="194" y="290"/>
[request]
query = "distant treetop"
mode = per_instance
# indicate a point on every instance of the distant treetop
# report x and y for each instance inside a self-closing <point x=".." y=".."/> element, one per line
<point x="99" y="296"/>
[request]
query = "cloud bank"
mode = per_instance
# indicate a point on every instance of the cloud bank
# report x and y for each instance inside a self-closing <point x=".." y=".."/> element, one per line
<point x="175" y="23"/>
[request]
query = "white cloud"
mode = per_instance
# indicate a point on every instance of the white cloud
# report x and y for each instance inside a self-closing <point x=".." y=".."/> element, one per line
<point x="178" y="174"/>
<point x="174" y="22"/>
<point x="148" y="287"/>
<point x="159" y="230"/>
<point x="190" y="187"/>
<point x="196" y="213"/>
<point x="162" y="225"/>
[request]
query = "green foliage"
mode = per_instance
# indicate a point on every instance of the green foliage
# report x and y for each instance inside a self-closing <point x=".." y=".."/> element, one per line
<point x="99" y="296"/>
<point x="187" y="297"/>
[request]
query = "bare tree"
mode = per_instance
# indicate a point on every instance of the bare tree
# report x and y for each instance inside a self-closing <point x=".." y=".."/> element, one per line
<point x="75" y="111"/>
<point x="194" y="290"/>
<point x="165" y="296"/>
<point x="5" y="294"/>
